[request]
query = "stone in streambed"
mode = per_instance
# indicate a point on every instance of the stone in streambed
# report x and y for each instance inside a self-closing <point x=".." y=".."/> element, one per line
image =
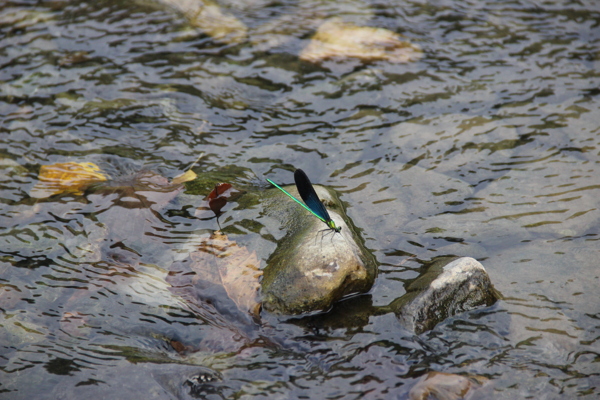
<point x="207" y="16"/>
<point x="312" y="268"/>
<point x="460" y="285"/>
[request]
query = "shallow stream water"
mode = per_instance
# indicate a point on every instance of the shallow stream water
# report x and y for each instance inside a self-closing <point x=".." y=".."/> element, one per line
<point x="488" y="147"/>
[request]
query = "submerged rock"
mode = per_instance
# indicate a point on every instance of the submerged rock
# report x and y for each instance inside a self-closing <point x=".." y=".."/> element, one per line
<point x="208" y="17"/>
<point x="287" y="28"/>
<point x="460" y="285"/>
<point x="444" y="386"/>
<point x="312" y="268"/>
<point x="336" y="39"/>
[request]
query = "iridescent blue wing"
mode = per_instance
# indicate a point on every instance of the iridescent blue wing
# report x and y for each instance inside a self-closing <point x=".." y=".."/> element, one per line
<point x="296" y="200"/>
<point x="308" y="194"/>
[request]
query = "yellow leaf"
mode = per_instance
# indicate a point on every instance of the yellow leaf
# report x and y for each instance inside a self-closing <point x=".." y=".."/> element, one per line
<point x="69" y="177"/>
<point x="187" y="176"/>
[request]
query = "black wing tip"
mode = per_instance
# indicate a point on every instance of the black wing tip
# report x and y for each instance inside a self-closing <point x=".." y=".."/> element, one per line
<point x="298" y="173"/>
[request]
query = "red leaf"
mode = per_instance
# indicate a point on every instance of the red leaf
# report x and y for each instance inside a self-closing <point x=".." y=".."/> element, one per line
<point x="218" y="197"/>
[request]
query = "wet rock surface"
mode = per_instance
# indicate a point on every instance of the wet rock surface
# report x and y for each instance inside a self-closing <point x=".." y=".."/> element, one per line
<point x="444" y="291"/>
<point x="312" y="268"/>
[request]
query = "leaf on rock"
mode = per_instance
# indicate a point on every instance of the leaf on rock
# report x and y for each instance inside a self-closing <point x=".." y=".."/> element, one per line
<point x="223" y="262"/>
<point x="69" y="177"/>
<point x="187" y="176"/>
<point x="336" y="39"/>
<point x="219" y="190"/>
<point x="218" y="197"/>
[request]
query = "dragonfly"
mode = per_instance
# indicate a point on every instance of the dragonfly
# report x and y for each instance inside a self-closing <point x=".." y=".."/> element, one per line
<point x="311" y="201"/>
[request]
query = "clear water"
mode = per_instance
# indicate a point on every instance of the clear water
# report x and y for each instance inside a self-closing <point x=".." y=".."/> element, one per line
<point x="487" y="147"/>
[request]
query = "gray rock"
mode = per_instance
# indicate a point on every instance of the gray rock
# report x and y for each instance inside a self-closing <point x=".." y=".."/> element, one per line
<point x="458" y="286"/>
<point x="312" y="267"/>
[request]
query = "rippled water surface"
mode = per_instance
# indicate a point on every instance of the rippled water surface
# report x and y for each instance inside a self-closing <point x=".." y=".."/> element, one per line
<point x="488" y="146"/>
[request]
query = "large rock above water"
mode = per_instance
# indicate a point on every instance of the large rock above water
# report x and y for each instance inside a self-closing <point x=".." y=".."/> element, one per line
<point x="444" y="291"/>
<point x="312" y="268"/>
